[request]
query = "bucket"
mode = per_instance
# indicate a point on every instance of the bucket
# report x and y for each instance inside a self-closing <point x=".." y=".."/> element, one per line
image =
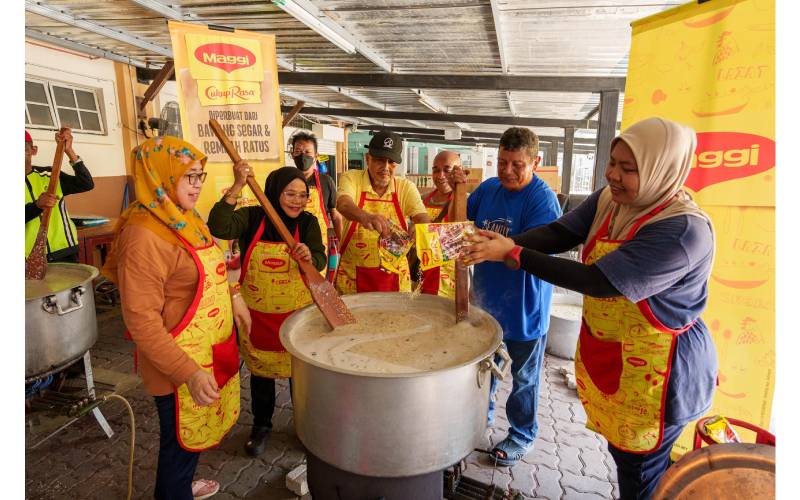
<point x="565" y="325"/>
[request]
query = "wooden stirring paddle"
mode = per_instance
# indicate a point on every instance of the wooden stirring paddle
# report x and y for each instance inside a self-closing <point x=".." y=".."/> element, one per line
<point x="36" y="263"/>
<point x="462" y="276"/>
<point x="323" y="293"/>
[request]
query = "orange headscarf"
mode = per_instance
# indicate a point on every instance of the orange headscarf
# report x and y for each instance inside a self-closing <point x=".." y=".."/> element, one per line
<point x="158" y="164"/>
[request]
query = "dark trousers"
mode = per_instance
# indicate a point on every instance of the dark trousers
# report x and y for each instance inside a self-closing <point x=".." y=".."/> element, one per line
<point x="639" y="474"/>
<point x="262" y="398"/>
<point x="176" y="466"/>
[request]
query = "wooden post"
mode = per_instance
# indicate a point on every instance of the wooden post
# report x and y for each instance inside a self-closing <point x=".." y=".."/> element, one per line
<point x="462" y="274"/>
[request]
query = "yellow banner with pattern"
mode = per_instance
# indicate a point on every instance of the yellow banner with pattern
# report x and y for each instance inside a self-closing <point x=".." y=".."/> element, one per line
<point x="712" y="66"/>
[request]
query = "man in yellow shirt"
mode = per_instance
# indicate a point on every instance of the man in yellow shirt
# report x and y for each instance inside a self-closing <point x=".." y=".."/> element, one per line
<point x="370" y="202"/>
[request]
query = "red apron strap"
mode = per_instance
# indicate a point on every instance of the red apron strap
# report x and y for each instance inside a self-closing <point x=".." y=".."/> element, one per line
<point x="352" y="229"/>
<point x="648" y="216"/>
<point x="187" y="317"/>
<point x="397" y="209"/>
<point x="320" y="199"/>
<point x="253" y="242"/>
<point x="602" y="232"/>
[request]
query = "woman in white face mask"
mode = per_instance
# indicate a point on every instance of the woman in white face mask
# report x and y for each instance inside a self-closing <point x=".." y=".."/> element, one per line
<point x="645" y="364"/>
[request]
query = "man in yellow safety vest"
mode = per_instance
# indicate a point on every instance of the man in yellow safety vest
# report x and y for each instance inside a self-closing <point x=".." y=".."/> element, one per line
<point x="62" y="237"/>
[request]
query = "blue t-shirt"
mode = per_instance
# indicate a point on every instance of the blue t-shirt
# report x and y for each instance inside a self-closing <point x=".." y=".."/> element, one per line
<point x="519" y="301"/>
<point x="667" y="263"/>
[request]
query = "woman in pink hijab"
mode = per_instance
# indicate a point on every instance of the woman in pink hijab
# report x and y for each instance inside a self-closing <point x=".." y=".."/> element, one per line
<point x="645" y="364"/>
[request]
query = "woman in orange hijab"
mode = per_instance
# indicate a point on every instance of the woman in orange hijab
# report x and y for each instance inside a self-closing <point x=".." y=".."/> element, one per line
<point x="179" y="311"/>
<point x="645" y="364"/>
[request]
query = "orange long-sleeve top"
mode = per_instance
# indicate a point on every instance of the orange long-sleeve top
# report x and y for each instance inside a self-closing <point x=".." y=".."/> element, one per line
<point x="157" y="281"/>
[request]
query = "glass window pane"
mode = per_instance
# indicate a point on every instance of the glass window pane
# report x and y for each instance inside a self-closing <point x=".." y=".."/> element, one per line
<point x="64" y="96"/>
<point x="85" y="100"/>
<point x="69" y="118"/>
<point x="91" y="121"/>
<point x="34" y="92"/>
<point x="40" y="115"/>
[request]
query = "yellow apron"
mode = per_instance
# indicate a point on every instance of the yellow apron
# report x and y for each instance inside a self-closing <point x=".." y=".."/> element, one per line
<point x="273" y="288"/>
<point x="439" y="280"/>
<point x="206" y="334"/>
<point x="360" y="268"/>
<point x="316" y="207"/>
<point x="623" y="361"/>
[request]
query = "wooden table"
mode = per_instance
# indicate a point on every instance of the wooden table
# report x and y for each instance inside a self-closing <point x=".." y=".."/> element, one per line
<point x="95" y="243"/>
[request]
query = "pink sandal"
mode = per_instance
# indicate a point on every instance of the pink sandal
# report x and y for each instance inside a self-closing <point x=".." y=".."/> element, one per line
<point x="204" y="488"/>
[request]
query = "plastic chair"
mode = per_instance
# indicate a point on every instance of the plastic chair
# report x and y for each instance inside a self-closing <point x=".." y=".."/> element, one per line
<point x="762" y="435"/>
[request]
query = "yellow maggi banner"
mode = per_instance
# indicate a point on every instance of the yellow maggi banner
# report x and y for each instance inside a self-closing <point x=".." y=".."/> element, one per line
<point x="712" y="66"/>
<point x="233" y="78"/>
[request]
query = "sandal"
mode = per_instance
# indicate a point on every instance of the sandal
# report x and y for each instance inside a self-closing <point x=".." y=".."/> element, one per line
<point x="204" y="488"/>
<point x="507" y="453"/>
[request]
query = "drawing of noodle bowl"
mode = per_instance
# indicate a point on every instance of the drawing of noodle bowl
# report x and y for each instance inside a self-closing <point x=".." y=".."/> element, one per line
<point x="723" y="102"/>
<point x="742" y="275"/>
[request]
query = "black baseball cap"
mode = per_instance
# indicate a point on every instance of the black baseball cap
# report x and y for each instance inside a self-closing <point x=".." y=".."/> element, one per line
<point x="386" y="144"/>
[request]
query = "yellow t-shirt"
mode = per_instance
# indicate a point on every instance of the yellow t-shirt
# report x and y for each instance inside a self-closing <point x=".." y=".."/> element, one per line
<point x="353" y="182"/>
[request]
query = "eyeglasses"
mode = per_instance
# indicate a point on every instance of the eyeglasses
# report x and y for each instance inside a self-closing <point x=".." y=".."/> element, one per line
<point x="291" y="195"/>
<point x="193" y="178"/>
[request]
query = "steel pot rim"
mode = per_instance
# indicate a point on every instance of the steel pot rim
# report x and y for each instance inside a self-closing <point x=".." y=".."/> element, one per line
<point x="289" y="324"/>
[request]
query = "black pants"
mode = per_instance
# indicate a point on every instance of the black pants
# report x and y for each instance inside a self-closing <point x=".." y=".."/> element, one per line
<point x="262" y="396"/>
<point x="639" y="474"/>
<point x="176" y="466"/>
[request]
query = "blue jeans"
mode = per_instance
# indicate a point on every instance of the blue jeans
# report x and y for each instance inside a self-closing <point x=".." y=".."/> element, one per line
<point x="639" y="474"/>
<point x="176" y="466"/>
<point x="521" y="407"/>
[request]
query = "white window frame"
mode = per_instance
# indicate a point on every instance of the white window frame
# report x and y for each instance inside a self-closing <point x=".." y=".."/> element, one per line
<point x="50" y="106"/>
<point x="97" y="93"/>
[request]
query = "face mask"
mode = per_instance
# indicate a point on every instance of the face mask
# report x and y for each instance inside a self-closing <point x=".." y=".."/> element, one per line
<point x="304" y="162"/>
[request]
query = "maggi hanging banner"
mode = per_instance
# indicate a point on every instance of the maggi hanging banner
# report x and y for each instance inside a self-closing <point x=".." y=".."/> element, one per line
<point x="712" y="67"/>
<point x="233" y="78"/>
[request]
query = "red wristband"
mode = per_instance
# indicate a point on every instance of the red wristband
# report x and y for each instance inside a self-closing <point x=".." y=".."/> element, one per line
<point x="511" y="260"/>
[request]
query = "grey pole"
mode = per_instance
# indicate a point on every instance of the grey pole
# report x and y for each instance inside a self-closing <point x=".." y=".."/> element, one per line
<point x="566" y="171"/>
<point x="606" y="131"/>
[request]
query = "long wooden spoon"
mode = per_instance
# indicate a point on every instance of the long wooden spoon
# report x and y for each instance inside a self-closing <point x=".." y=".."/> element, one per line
<point x="36" y="263"/>
<point x="324" y="295"/>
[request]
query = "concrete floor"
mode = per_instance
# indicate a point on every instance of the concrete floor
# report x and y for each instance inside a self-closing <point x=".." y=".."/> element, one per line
<point x="567" y="462"/>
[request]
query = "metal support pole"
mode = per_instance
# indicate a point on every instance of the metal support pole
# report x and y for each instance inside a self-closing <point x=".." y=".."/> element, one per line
<point x="553" y="160"/>
<point x="566" y="171"/>
<point x="606" y="131"/>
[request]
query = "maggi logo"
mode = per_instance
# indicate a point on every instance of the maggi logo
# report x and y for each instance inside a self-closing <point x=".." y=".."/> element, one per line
<point x="225" y="56"/>
<point x="725" y="156"/>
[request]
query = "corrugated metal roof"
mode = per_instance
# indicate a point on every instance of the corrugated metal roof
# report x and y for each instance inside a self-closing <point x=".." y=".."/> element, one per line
<point x="546" y="37"/>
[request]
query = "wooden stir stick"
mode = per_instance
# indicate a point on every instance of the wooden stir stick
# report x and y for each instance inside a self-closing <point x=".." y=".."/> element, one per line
<point x="323" y="293"/>
<point x="462" y="274"/>
<point x="36" y="263"/>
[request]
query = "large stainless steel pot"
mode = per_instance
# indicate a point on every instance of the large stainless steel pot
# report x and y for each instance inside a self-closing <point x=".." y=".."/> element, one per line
<point x="60" y="320"/>
<point x="392" y="425"/>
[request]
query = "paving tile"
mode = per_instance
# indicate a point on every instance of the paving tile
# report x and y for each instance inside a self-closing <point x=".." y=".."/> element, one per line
<point x="586" y="484"/>
<point x="569" y="459"/>
<point x="548" y="483"/>
<point x="594" y="464"/>
<point x="523" y="479"/>
<point x="572" y="494"/>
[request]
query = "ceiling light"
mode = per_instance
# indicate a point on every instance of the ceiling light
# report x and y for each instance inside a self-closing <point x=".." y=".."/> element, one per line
<point x="316" y="24"/>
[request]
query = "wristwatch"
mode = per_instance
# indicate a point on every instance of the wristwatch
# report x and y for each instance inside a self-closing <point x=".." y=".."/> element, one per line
<point x="511" y="260"/>
<point x="77" y="160"/>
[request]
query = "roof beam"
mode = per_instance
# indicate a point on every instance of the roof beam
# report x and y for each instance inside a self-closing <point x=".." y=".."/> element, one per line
<point x="119" y="35"/>
<point x="164" y="10"/>
<point x="457" y="82"/>
<point x="502" y="50"/>
<point x="469" y="134"/>
<point x="308" y="14"/>
<point x="85" y="49"/>
<point x="444" y="117"/>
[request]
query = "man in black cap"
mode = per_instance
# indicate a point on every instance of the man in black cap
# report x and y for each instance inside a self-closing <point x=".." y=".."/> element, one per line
<point x="371" y="202"/>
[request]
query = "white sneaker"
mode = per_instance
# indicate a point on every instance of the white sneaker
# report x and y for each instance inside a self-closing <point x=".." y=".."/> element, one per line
<point x="204" y="488"/>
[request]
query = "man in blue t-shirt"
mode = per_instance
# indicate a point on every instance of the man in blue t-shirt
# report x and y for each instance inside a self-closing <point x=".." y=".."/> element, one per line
<point x="511" y="203"/>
